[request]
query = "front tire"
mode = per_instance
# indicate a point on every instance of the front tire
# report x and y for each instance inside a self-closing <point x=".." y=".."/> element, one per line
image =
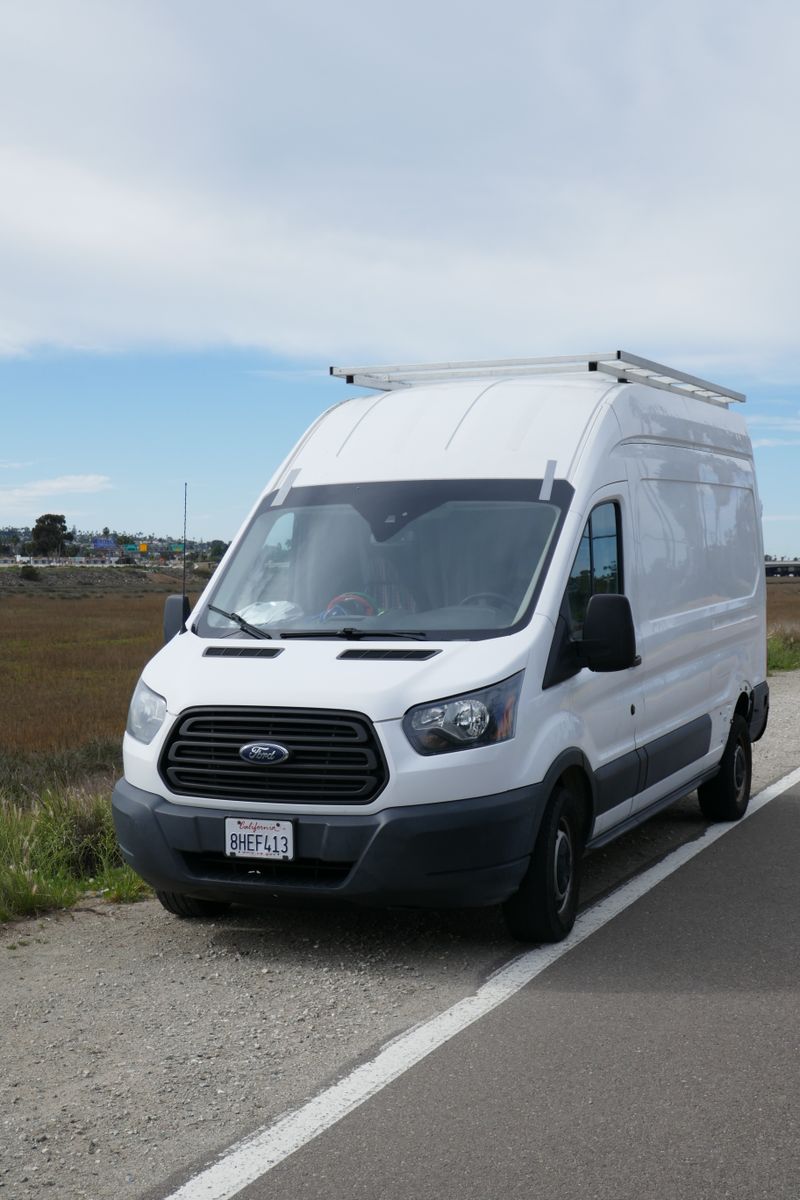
<point x="190" y="907"/>
<point x="726" y="796"/>
<point x="544" y="907"/>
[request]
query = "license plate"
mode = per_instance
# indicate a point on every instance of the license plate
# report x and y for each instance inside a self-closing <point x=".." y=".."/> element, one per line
<point x="246" y="837"/>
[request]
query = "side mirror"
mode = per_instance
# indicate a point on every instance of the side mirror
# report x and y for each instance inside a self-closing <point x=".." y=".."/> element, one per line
<point x="609" y="639"/>
<point x="176" y="613"/>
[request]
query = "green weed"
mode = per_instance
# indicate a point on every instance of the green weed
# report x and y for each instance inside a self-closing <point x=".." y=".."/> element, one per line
<point x="56" y="849"/>
<point x="783" y="651"/>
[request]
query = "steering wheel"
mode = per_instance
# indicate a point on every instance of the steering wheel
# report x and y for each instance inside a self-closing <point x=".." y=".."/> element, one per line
<point x="495" y="600"/>
<point x="350" y="604"/>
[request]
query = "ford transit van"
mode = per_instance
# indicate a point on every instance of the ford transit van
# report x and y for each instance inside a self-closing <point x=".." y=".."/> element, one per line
<point x="483" y="618"/>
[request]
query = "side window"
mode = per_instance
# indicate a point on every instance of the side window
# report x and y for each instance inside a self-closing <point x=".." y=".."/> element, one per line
<point x="597" y="563"/>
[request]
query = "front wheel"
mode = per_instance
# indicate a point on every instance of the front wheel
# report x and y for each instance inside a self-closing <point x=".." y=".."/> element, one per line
<point x="543" y="909"/>
<point x="726" y="796"/>
<point x="189" y="906"/>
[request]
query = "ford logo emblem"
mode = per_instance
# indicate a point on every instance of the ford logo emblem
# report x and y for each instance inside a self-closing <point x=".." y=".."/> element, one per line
<point x="263" y="752"/>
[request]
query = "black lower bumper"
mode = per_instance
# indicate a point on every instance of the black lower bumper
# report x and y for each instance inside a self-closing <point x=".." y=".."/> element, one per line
<point x="465" y="853"/>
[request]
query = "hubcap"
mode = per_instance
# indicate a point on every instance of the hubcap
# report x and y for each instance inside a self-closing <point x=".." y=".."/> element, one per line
<point x="562" y="866"/>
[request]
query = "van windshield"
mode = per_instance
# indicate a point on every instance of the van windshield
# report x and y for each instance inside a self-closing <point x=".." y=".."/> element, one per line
<point x="443" y="558"/>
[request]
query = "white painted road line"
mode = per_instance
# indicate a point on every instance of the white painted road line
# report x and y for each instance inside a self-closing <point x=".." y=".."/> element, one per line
<point x="257" y="1154"/>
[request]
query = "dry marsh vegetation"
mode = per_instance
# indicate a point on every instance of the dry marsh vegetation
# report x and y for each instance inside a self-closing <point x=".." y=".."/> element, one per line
<point x="69" y="658"/>
<point x="68" y="664"/>
<point x="783" y="603"/>
<point x="783" y="624"/>
<point x="69" y="667"/>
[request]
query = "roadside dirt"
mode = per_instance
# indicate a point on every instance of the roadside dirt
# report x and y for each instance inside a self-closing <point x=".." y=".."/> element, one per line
<point x="134" y="1043"/>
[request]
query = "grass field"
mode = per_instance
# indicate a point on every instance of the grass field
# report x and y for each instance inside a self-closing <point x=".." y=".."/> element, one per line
<point x="68" y="665"/>
<point x="69" y="660"/>
<point x="783" y="624"/>
<point x="783" y="603"/>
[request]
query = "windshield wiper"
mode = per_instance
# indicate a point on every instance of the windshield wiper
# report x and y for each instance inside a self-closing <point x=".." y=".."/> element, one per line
<point x="240" y="621"/>
<point x="354" y="635"/>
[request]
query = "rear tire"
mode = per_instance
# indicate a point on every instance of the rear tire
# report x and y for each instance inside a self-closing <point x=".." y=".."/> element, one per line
<point x="543" y="909"/>
<point x="190" y="907"/>
<point x="726" y="796"/>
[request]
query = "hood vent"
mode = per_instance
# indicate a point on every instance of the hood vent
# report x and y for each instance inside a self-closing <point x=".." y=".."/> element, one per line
<point x="243" y="651"/>
<point x="408" y="655"/>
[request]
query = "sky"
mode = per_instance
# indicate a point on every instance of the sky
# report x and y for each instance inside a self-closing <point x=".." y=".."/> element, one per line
<point x="204" y="205"/>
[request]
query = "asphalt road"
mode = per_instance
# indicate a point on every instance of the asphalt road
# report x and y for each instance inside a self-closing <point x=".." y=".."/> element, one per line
<point x="135" y="1047"/>
<point x="659" y="1058"/>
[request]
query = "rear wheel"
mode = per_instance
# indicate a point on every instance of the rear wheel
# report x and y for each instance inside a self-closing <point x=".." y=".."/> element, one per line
<point x="726" y="796"/>
<point x="190" y="906"/>
<point x="544" y="907"/>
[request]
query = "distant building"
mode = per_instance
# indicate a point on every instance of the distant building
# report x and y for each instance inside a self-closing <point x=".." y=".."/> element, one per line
<point x="782" y="566"/>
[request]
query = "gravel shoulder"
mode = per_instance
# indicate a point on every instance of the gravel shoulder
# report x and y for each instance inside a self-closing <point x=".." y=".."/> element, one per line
<point x="133" y="1043"/>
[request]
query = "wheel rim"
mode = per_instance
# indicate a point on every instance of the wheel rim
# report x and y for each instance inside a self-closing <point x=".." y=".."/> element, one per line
<point x="739" y="770"/>
<point x="562" y="866"/>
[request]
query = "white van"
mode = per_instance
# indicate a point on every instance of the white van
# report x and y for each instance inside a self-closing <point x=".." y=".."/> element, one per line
<point x="481" y="621"/>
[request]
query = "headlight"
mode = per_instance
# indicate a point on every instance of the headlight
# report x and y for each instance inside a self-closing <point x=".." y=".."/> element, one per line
<point x="473" y="719"/>
<point x="146" y="713"/>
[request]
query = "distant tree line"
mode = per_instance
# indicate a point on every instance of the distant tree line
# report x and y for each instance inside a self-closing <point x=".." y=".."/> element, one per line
<point x="50" y="538"/>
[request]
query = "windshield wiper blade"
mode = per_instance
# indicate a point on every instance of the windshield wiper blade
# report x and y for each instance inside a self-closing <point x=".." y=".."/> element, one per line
<point x="354" y="635"/>
<point x="253" y="630"/>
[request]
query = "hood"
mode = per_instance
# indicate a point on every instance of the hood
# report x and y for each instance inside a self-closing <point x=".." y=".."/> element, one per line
<point x="313" y="674"/>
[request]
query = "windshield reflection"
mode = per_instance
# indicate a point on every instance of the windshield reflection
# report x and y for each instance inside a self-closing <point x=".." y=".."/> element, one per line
<point x="444" y="558"/>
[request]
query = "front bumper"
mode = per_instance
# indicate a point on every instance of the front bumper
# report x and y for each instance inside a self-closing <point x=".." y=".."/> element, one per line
<point x="465" y="853"/>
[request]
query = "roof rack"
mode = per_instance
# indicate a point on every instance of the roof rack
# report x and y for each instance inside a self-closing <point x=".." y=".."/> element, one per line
<point x="625" y="367"/>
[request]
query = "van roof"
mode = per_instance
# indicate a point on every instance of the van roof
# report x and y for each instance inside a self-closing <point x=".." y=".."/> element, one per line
<point x="500" y="427"/>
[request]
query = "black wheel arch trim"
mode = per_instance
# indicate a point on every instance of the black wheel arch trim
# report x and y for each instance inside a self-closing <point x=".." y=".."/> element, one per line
<point x="568" y="760"/>
<point x="758" y="715"/>
<point x="637" y="769"/>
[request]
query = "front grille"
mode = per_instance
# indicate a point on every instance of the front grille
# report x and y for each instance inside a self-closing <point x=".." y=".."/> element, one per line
<point x="334" y="757"/>
<point x="310" y="872"/>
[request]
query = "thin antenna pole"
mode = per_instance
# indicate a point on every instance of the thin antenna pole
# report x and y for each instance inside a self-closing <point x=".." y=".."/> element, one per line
<point x="183" y="586"/>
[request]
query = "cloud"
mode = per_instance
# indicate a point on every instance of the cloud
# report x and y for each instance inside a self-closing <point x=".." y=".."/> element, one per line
<point x="787" y="423"/>
<point x="134" y="265"/>
<point x="6" y="465"/>
<point x="781" y="431"/>
<point x="341" y="187"/>
<point x="289" y="374"/>
<point x="21" y="499"/>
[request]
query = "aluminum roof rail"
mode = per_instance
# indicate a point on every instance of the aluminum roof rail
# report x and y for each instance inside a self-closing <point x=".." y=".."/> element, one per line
<point x="625" y="367"/>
